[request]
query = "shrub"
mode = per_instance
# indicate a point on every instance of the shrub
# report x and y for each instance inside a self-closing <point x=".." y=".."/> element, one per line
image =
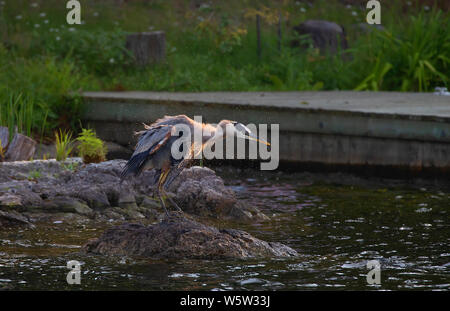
<point x="100" y="51"/>
<point x="411" y="57"/>
<point x="91" y="148"/>
<point x="41" y="92"/>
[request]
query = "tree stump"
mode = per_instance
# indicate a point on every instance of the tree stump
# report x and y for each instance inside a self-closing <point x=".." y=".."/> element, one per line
<point x="147" y="47"/>
<point x="326" y="36"/>
<point x="21" y="148"/>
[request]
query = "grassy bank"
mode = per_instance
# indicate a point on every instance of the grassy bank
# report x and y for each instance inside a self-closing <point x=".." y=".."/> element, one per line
<point x="211" y="46"/>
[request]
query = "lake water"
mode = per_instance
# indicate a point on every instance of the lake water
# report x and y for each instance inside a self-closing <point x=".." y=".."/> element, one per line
<point x="336" y="222"/>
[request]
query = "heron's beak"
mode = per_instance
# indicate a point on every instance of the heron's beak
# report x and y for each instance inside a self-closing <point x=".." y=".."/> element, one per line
<point x="253" y="137"/>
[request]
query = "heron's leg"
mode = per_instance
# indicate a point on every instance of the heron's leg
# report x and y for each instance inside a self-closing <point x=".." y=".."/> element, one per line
<point x="162" y="203"/>
<point x="171" y="200"/>
<point x="156" y="181"/>
<point x="159" y="192"/>
<point x="164" y="191"/>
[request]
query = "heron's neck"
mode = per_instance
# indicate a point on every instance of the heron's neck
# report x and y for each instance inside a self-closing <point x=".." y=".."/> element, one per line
<point x="209" y="134"/>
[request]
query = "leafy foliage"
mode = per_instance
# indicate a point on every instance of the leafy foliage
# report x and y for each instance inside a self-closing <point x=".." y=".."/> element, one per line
<point x="71" y="166"/>
<point x="413" y="59"/>
<point x="98" y="50"/>
<point x="91" y="148"/>
<point x="374" y="81"/>
<point x="41" y="92"/>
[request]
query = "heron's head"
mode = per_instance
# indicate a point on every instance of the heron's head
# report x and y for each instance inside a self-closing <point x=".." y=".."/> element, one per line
<point x="240" y="130"/>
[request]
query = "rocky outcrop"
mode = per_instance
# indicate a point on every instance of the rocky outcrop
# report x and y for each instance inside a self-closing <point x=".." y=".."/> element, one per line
<point x="199" y="191"/>
<point x="94" y="191"/>
<point x="178" y="237"/>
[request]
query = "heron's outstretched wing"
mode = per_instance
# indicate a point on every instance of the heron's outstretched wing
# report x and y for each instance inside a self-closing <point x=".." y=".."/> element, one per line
<point x="150" y="141"/>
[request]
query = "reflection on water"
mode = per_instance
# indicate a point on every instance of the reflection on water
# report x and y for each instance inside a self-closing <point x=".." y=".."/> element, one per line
<point x="336" y="227"/>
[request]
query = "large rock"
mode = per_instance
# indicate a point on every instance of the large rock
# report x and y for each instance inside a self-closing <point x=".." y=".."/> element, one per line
<point x="67" y="205"/>
<point x="20" y="148"/>
<point x="326" y="36"/>
<point x="198" y="190"/>
<point x="177" y="237"/>
<point x="12" y="219"/>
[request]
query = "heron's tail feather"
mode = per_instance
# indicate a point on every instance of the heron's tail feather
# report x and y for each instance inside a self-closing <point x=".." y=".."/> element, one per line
<point x="135" y="165"/>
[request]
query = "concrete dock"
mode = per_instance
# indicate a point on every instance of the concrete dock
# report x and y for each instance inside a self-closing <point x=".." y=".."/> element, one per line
<point x="392" y="130"/>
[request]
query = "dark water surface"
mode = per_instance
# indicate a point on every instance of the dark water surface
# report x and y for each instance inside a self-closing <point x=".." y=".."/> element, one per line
<point x="337" y="223"/>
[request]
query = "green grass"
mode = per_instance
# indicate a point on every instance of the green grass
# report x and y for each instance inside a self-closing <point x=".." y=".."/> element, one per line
<point x="40" y="94"/>
<point x="209" y="48"/>
<point x="21" y="112"/>
<point x="415" y="59"/>
<point x="34" y="174"/>
<point x="16" y="113"/>
<point x="71" y="166"/>
<point x="64" y="144"/>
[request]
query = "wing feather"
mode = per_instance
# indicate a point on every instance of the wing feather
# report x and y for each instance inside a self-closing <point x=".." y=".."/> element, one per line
<point x="150" y="141"/>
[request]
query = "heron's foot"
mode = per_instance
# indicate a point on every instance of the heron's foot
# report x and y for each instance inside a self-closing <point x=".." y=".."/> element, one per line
<point x="169" y="196"/>
<point x="174" y="204"/>
<point x="166" y="213"/>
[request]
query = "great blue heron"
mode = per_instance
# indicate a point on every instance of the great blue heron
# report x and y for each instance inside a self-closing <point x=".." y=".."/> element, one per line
<point x="154" y="148"/>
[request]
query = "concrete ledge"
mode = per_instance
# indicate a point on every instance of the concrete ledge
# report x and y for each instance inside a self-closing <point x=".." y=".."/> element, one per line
<point x="349" y="128"/>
